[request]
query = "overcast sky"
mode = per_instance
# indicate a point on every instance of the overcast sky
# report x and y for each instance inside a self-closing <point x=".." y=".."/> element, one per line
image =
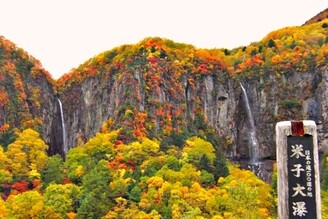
<point x="62" y="34"/>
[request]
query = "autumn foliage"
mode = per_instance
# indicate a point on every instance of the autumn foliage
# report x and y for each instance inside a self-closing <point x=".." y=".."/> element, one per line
<point x="154" y="157"/>
<point x="108" y="178"/>
<point x="25" y="90"/>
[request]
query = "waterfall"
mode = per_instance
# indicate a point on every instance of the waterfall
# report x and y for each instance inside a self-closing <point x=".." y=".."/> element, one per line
<point x="65" y="148"/>
<point x="254" y="144"/>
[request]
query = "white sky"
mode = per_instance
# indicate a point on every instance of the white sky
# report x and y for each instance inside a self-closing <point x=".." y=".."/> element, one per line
<point x="62" y="34"/>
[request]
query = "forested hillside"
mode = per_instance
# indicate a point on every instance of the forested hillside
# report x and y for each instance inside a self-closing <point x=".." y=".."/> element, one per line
<point x="107" y="178"/>
<point x="27" y="94"/>
<point x="157" y="129"/>
<point x="167" y="90"/>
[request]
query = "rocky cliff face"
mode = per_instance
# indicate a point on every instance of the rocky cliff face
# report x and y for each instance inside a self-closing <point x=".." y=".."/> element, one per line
<point x="166" y="90"/>
<point x="159" y="88"/>
<point x="88" y="105"/>
<point x="295" y="96"/>
<point x="27" y="96"/>
<point x="216" y="97"/>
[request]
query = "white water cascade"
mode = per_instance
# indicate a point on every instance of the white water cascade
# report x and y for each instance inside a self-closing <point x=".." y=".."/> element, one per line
<point x="65" y="147"/>
<point x="253" y="144"/>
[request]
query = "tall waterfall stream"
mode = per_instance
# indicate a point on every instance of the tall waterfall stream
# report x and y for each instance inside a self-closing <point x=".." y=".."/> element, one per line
<point x="253" y="141"/>
<point x="255" y="164"/>
<point x="65" y="147"/>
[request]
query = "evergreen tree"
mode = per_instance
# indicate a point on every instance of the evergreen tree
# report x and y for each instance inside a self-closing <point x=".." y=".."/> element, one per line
<point x="135" y="194"/>
<point x="271" y="43"/>
<point x="95" y="201"/>
<point x="220" y="166"/>
<point x="205" y="163"/>
<point x="54" y="171"/>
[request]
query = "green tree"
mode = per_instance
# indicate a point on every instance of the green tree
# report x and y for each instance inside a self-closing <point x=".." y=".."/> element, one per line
<point x="207" y="179"/>
<point x="3" y="159"/>
<point x="54" y="171"/>
<point x="95" y="192"/>
<point x="7" y="138"/>
<point x="98" y="178"/>
<point x="77" y="164"/>
<point x="220" y="166"/>
<point x="173" y="163"/>
<point x="205" y="164"/>
<point x="60" y="198"/>
<point x="80" y="160"/>
<point x="179" y="139"/>
<point x="271" y="43"/>
<point x="152" y="167"/>
<point x="135" y="194"/>
<point x="136" y="174"/>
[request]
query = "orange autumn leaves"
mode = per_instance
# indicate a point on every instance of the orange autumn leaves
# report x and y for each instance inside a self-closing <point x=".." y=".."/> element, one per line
<point x="134" y="179"/>
<point x="280" y="50"/>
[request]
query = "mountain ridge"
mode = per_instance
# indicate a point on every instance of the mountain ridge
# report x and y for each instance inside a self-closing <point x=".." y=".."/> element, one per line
<point x="159" y="80"/>
<point x="318" y="18"/>
<point x="179" y="86"/>
<point x="26" y="93"/>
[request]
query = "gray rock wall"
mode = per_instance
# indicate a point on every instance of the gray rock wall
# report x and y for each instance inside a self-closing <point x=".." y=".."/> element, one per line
<point x="273" y="98"/>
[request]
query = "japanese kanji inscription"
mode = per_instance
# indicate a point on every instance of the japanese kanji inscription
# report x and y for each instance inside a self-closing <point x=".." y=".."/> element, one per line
<point x="301" y="184"/>
<point x="298" y="170"/>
